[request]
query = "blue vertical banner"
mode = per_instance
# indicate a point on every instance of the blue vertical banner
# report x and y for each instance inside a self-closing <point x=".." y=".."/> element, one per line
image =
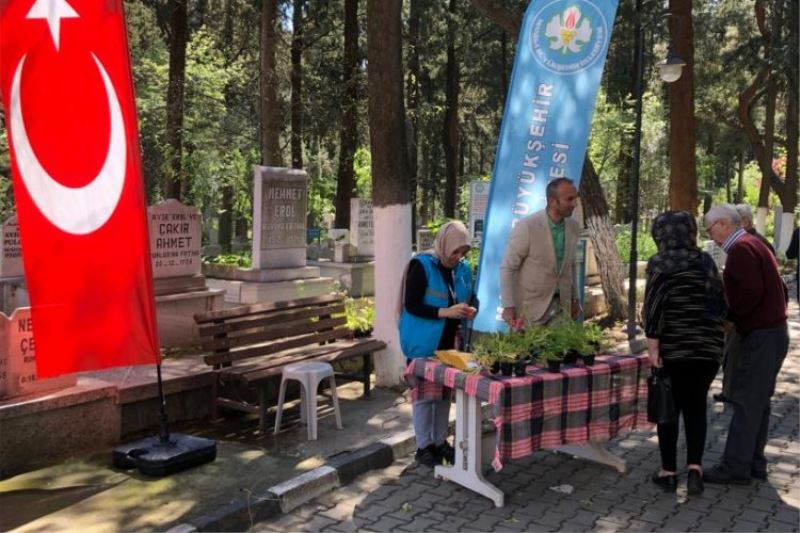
<point x="557" y="69"/>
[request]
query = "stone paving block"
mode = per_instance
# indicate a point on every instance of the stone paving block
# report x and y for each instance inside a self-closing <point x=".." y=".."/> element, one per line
<point x="756" y="516"/>
<point x="601" y="526"/>
<point x="339" y="512"/>
<point x="768" y="504"/>
<point x="386" y="524"/>
<point x="373" y="511"/>
<point x="745" y="526"/>
<point x="485" y="523"/>
<point x="420" y="524"/>
<point x="657" y="516"/>
<point x="533" y="509"/>
<point x="781" y="527"/>
<point x="787" y="514"/>
<point x="640" y="525"/>
<point x="342" y="527"/>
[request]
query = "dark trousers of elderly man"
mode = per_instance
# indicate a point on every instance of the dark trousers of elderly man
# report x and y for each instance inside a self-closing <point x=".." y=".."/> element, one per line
<point x="757" y="299"/>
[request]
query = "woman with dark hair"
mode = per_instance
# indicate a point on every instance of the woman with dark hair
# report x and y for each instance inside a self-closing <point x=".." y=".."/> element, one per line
<point x="684" y="309"/>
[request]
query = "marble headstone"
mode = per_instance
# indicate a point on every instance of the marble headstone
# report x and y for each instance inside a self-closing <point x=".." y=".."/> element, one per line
<point x="279" y="217"/>
<point x="18" y="358"/>
<point x="10" y="250"/>
<point x="425" y="240"/>
<point x="174" y="239"/>
<point x="362" y="231"/>
<point x="478" y="200"/>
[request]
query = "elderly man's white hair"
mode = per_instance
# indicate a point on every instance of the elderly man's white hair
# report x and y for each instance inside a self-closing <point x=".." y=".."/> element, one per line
<point x="745" y="211"/>
<point x="726" y="212"/>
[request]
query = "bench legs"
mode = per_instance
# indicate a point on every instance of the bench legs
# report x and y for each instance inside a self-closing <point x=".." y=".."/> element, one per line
<point x="367" y="369"/>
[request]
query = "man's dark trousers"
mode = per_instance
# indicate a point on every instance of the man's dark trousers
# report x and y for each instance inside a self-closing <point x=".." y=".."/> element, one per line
<point x="758" y="361"/>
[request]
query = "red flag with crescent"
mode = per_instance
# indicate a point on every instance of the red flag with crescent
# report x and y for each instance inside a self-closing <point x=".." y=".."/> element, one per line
<point x="69" y="109"/>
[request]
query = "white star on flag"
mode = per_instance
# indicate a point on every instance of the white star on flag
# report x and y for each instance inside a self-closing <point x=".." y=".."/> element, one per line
<point x="53" y="11"/>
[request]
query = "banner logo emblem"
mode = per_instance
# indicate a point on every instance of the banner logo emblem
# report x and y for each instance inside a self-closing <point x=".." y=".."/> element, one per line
<point x="567" y="41"/>
<point x="76" y="210"/>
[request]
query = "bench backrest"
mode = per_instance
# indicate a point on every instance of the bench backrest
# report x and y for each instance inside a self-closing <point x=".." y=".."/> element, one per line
<point x="254" y="330"/>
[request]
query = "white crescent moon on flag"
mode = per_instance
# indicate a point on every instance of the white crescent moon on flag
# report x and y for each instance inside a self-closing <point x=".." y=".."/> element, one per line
<point x="77" y="210"/>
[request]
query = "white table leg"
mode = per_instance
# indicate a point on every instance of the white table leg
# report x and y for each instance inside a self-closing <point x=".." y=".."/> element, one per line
<point x="594" y="451"/>
<point x="467" y="470"/>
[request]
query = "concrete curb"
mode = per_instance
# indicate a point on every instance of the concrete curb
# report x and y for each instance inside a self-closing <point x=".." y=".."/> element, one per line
<point x="282" y="498"/>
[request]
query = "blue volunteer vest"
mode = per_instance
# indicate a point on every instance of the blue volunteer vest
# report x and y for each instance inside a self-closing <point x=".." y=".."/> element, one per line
<point x="419" y="337"/>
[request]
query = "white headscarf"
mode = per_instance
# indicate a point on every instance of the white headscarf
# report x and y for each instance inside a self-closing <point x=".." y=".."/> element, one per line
<point x="450" y="237"/>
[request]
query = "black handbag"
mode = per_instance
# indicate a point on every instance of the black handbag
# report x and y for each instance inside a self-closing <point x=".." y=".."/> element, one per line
<point x="660" y="402"/>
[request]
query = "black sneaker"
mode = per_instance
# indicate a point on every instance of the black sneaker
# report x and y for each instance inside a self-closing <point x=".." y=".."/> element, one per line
<point x="446" y="452"/>
<point x="667" y="483"/>
<point x="760" y="475"/>
<point x="721" y="398"/>
<point x="427" y="456"/>
<point x="694" y="482"/>
<point x="720" y="474"/>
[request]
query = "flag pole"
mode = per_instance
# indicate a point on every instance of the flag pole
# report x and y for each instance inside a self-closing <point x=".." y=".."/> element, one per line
<point x="164" y="429"/>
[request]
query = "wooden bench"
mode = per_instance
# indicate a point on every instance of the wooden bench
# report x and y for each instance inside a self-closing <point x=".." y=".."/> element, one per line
<point x="248" y="345"/>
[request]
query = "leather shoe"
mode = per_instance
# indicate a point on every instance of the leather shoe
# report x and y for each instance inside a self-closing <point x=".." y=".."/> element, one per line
<point x="427" y="456"/>
<point x="720" y="474"/>
<point x="760" y="475"/>
<point x="694" y="482"/>
<point x="721" y="398"/>
<point x="445" y="452"/>
<point x="667" y="483"/>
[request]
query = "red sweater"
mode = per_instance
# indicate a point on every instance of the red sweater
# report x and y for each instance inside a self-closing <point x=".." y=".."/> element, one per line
<point x="756" y="293"/>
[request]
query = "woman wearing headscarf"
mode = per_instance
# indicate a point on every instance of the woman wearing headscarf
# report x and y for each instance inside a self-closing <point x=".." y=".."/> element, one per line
<point x="435" y="297"/>
<point x="684" y="307"/>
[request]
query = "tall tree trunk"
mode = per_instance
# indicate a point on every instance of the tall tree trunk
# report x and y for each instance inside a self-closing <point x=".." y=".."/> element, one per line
<point x="740" y="179"/>
<point x="179" y="37"/>
<point x="793" y="108"/>
<point x="270" y="106"/>
<point x="225" y="235"/>
<point x="413" y="99"/>
<point x="595" y="212"/>
<point x="390" y="176"/>
<point x="450" y="140"/>
<point x="297" y="84"/>
<point x="683" y="168"/>
<point x="349" y="105"/>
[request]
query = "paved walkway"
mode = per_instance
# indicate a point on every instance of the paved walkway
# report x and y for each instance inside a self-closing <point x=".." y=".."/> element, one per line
<point x="554" y="492"/>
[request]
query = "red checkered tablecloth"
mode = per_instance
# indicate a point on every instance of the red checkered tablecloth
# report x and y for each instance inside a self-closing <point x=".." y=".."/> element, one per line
<point x="580" y="404"/>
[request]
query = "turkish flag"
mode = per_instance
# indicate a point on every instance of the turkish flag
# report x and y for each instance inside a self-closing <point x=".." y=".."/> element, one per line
<point x="69" y="109"/>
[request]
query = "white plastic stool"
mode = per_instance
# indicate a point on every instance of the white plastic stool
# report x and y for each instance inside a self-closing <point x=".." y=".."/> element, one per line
<point x="309" y="374"/>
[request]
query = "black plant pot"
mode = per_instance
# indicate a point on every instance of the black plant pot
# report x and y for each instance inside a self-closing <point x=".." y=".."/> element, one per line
<point x="495" y="368"/>
<point x="506" y="368"/>
<point x="571" y="357"/>
<point x="554" y="366"/>
<point x="588" y="359"/>
<point x="520" y="367"/>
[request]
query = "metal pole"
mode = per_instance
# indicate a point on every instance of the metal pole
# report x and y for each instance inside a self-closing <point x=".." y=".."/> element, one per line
<point x="634" y="183"/>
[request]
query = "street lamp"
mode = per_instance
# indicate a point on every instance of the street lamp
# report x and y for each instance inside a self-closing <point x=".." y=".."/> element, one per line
<point x="669" y="71"/>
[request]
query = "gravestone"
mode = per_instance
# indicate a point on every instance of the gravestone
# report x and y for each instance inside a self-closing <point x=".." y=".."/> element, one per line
<point x="279" y="212"/>
<point x="716" y="253"/>
<point x="18" y="358"/>
<point x="478" y="200"/>
<point x="362" y="230"/>
<point x="175" y="239"/>
<point x="10" y="250"/>
<point x="179" y="286"/>
<point x="425" y="240"/>
<point x="13" y="292"/>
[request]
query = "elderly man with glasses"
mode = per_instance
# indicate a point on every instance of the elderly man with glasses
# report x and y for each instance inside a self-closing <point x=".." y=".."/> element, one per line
<point x="757" y="299"/>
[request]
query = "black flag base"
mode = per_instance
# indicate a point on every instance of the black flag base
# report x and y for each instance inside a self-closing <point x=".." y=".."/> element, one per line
<point x="157" y="457"/>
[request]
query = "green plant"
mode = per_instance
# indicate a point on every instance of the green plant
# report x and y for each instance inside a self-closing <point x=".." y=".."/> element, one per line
<point x="495" y="348"/>
<point x="360" y="314"/>
<point x="243" y="261"/>
<point x="536" y="337"/>
<point x="599" y="338"/>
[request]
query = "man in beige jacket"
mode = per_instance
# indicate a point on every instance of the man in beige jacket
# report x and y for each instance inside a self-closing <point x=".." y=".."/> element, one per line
<point x="537" y="277"/>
